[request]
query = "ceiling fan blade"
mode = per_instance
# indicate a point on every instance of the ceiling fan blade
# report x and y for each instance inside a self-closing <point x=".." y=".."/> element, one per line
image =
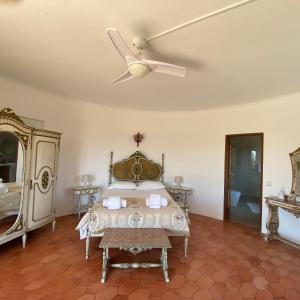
<point x="120" y="45"/>
<point x="124" y="77"/>
<point x="165" y="68"/>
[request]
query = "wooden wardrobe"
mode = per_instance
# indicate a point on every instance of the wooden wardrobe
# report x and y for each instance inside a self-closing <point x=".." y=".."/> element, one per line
<point x="27" y="200"/>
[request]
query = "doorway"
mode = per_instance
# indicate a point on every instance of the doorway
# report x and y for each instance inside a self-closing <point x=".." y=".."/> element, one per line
<point x="243" y="179"/>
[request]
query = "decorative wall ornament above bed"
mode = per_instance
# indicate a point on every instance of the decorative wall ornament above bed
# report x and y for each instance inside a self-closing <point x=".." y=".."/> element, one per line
<point x="138" y="138"/>
<point x="136" y="168"/>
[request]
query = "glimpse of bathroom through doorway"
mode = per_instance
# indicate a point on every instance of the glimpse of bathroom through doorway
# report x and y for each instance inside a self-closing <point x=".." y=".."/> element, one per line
<point x="243" y="179"/>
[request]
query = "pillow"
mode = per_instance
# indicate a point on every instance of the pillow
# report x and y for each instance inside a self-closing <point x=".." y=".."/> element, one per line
<point x="150" y="185"/>
<point x="122" y="185"/>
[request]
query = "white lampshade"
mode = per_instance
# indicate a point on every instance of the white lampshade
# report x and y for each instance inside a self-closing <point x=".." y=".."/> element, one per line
<point x="178" y="180"/>
<point x="85" y="180"/>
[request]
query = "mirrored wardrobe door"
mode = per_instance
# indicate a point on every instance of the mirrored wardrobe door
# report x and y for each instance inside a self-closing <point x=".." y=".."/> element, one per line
<point x="12" y="164"/>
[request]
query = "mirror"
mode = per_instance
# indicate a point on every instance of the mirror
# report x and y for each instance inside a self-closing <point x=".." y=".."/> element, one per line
<point x="295" y="160"/>
<point x="11" y="179"/>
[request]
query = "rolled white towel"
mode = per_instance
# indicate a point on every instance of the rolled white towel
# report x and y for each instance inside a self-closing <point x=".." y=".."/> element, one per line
<point x="164" y="202"/>
<point x="154" y="197"/>
<point x="107" y="203"/>
<point x="155" y="204"/>
<point x="154" y="200"/>
<point x="114" y="199"/>
<point x="114" y="203"/>
<point x="124" y="203"/>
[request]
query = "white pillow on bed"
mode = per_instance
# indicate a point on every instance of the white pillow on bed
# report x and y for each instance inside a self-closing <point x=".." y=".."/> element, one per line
<point x="150" y="185"/>
<point x="122" y="185"/>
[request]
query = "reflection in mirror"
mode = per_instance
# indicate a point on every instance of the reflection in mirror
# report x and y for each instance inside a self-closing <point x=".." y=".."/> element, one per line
<point x="295" y="192"/>
<point x="11" y="179"/>
<point x="297" y="188"/>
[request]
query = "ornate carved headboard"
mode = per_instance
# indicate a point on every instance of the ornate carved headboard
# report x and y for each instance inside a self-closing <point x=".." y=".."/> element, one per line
<point x="136" y="168"/>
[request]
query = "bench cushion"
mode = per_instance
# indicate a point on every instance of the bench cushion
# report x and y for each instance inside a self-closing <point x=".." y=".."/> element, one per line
<point x="123" y="238"/>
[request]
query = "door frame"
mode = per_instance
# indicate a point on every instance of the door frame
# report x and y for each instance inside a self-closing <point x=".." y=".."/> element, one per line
<point x="226" y="171"/>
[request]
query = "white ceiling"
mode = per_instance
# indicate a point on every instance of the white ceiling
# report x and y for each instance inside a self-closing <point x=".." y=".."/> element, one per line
<point x="244" y="55"/>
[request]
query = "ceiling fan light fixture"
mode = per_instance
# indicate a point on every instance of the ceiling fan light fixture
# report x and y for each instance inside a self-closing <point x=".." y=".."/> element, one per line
<point x="138" y="69"/>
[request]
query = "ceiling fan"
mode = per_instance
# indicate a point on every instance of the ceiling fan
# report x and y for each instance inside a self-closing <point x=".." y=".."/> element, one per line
<point x="137" y="66"/>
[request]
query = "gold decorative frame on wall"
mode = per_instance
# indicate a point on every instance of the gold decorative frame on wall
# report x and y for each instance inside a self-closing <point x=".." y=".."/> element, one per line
<point x="295" y="160"/>
<point x="136" y="168"/>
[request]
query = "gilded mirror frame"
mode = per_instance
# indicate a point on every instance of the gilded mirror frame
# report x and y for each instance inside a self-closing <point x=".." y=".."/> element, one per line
<point x="18" y="223"/>
<point x="295" y="158"/>
<point x="12" y="124"/>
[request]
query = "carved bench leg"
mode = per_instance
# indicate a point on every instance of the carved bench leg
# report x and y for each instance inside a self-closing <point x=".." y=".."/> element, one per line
<point x="87" y="247"/>
<point x="186" y="211"/>
<point x="24" y="239"/>
<point x="272" y="223"/>
<point x="88" y="234"/>
<point x="79" y="207"/>
<point x="164" y="263"/>
<point x="105" y="264"/>
<point x="186" y="242"/>
<point x="53" y="223"/>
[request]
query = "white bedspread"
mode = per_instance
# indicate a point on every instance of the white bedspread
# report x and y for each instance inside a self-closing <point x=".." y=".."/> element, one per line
<point x="10" y="201"/>
<point x="135" y="215"/>
<point x="9" y="204"/>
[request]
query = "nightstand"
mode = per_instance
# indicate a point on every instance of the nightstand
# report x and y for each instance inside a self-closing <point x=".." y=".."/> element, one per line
<point x="180" y="195"/>
<point x="80" y="191"/>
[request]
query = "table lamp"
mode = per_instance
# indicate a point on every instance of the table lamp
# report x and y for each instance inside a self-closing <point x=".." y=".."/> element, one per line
<point x="178" y="180"/>
<point x="85" y="180"/>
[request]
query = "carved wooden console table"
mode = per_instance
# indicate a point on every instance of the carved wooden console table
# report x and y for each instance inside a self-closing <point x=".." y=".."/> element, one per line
<point x="273" y="220"/>
<point x="135" y="241"/>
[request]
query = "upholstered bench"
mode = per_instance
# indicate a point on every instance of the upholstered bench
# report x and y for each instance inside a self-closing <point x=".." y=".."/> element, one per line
<point x="135" y="241"/>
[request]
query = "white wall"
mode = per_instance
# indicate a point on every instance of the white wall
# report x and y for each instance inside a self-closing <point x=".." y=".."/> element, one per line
<point x="192" y="141"/>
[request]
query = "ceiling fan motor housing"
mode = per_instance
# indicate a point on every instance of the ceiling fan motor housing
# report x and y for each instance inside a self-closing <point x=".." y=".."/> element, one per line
<point x="139" y="43"/>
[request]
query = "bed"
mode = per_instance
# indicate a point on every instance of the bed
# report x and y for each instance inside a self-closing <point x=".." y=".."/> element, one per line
<point x="146" y="178"/>
<point x="10" y="203"/>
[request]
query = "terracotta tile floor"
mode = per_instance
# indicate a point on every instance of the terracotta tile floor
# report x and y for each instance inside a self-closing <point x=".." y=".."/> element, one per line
<point x="226" y="261"/>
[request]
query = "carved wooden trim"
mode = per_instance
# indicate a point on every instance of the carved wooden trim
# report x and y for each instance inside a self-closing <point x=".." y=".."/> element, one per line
<point x="24" y="138"/>
<point x="18" y="226"/>
<point x="136" y="168"/>
<point x="8" y="113"/>
<point x="294" y="170"/>
<point x="45" y="179"/>
<point x="135" y="249"/>
<point x="273" y="219"/>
